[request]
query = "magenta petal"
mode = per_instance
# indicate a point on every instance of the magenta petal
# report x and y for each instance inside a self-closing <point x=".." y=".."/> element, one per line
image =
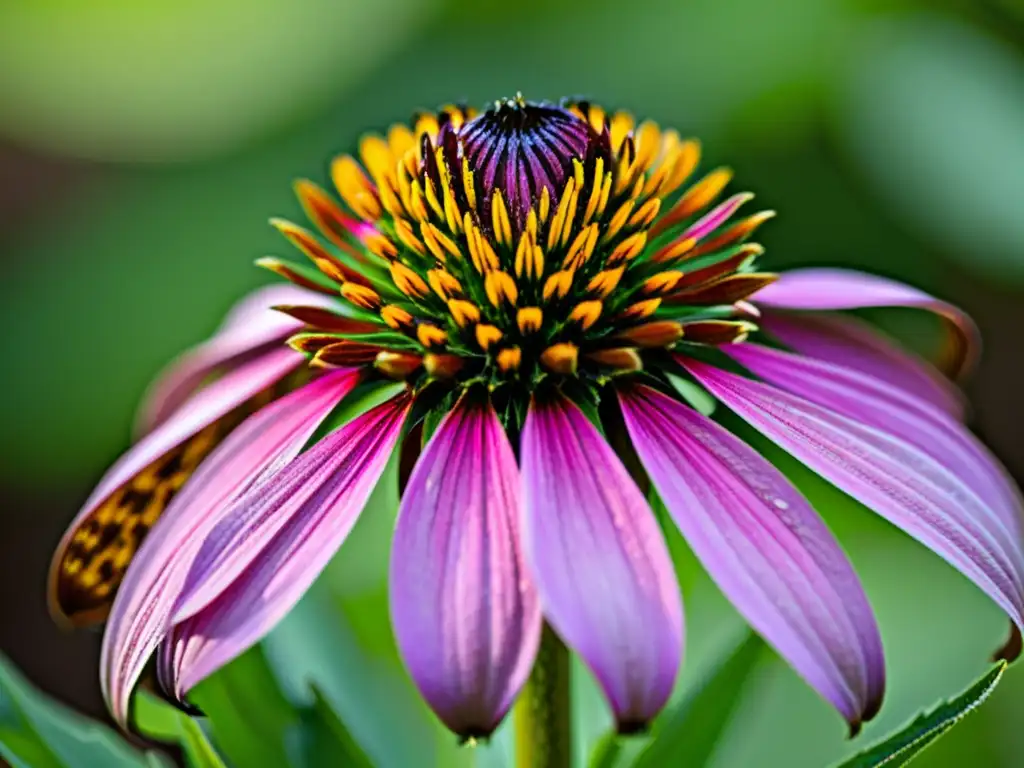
<point x="141" y="612"/>
<point x="465" y="614"/>
<point x="603" y="571"/>
<point x="765" y="547"/>
<point x="275" y="540"/>
<point x="889" y="475"/>
<point x="896" y="412"/>
<point x="249" y="327"/>
<point x="853" y="343"/>
<point x="715" y="217"/>
<point x="833" y="289"/>
<point x="208" y="406"/>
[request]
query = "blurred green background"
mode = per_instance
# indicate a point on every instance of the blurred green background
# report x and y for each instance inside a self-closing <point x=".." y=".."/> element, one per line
<point x="144" y="145"/>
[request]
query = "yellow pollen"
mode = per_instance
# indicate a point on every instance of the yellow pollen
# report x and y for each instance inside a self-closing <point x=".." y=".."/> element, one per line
<point x="557" y="221"/>
<point x="404" y="232"/>
<point x="544" y="207"/>
<point x="442" y="366"/>
<point x="620" y="358"/>
<point x="530" y="319"/>
<point x="487" y="335"/>
<point x="408" y="281"/>
<point x="558" y="285"/>
<point x="500" y="221"/>
<point x="617" y="221"/>
<point x="463" y="312"/>
<point x="468" y="183"/>
<point x="443" y="240"/>
<point x="660" y="333"/>
<point x="595" y="192"/>
<point x="686" y="163"/>
<point x="361" y="296"/>
<point x="646" y="213"/>
<point x="500" y="287"/>
<point x="606" y="190"/>
<point x="395" y="317"/>
<point x="431" y="335"/>
<point x="628" y="248"/>
<point x="582" y="247"/>
<point x="355" y="189"/>
<point x="603" y="283"/>
<point x="673" y="251"/>
<point x="445" y="284"/>
<point x="641" y="309"/>
<point x="396" y="365"/>
<point x="509" y="359"/>
<point x="663" y="282"/>
<point x="586" y="313"/>
<point x="560" y="358"/>
<point x="379" y="245"/>
<point x="431" y="196"/>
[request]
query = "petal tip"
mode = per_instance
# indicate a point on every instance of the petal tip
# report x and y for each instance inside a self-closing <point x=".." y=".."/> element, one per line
<point x="1011" y="649"/>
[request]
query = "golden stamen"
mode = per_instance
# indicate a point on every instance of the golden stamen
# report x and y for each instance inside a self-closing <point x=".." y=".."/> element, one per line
<point x="355" y="189"/>
<point x="396" y="317"/>
<point x="380" y="246"/>
<point x="586" y="313"/>
<point x="640" y="309"/>
<point x="430" y="335"/>
<point x="559" y="284"/>
<point x="463" y="312"/>
<point x="444" y="283"/>
<point x="500" y="221"/>
<point x="408" y="280"/>
<point x="487" y="335"/>
<point x="529" y="319"/>
<point x="620" y="358"/>
<point x="663" y="282"/>
<point x="500" y="287"/>
<point x="509" y="359"/>
<point x="361" y="295"/>
<point x="397" y="365"/>
<point x="604" y="282"/>
<point x="442" y="366"/>
<point x="660" y="333"/>
<point x="628" y="248"/>
<point x="560" y="358"/>
<point x="404" y="232"/>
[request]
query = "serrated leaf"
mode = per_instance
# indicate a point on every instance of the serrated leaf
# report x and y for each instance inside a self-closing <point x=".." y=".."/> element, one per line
<point x="907" y="743"/>
<point x="687" y="733"/>
<point x="323" y="741"/>
<point x="247" y="713"/>
<point x="38" y="732"/>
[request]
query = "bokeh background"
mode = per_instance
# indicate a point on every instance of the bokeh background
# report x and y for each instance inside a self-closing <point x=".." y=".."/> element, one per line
<point x="144" y="145"/>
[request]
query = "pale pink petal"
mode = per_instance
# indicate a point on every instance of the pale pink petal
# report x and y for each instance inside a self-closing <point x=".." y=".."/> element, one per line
<point x="465" y="614"/>
<point x="275" y="540"/>
<point x="250" y="327"/>
<point x="765" y="547"/>
<point x="715" y="218"/>
<point x="833" y="289"/>
<point x="896" y="412"/>
<point x="261" y="444"/>
<point x="886" y="474"/>
<point x="600" y="563"/>
<point x="853" y="343"/>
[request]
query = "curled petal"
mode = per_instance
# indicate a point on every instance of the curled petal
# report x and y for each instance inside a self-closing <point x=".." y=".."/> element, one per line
<point x="765" y="547"/>
<point x="853" y="343"/>
<point x="896" y="412"/>
<point x="135" y="490"/>
<point x="886" y="474"/>
<point x="250" y="327"/>
<point x="465" y="614"/>
<point x="274" y="541"/>
<point x="827" y="289"/>
<point x="601" y="566"/>
<point x="264" y="442"/>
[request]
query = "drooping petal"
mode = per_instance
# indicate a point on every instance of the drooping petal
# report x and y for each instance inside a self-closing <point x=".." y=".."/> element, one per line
<point x="249" y="327"/>
<point x="601" y="566"/>
<point x="264" y="442"/>
<point x="886" y="474"/>
<point x="853" y="343"/>
<point x="897" y="412"/>
<point x="765" y="547"/>
<point x="135" y="491"/>
<point x="275" y="540"/>
<point x="829" y="289"/>
<point x="465" y="614"/>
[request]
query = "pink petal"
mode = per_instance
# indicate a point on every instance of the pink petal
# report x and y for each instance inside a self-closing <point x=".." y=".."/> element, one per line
<point x="890" y="476"/>
<point x="275" y="540"/>
<point x="262" y="443"/>
<point x="895" y="412"/>
<point x="828" y="289"/>
<point x="465" y="614"/>
<point x="603" y="571"/>
<point x="249" y="327"/>
<point x="715" y="217"/>
<point x="765" y="547"/>
<point x="850" y="342"/>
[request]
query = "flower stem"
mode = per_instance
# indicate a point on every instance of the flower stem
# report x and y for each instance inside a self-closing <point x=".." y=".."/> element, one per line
<point x="542" y="713"/>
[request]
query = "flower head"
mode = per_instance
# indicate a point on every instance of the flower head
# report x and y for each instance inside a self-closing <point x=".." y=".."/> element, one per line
<point x="545" y="285"/>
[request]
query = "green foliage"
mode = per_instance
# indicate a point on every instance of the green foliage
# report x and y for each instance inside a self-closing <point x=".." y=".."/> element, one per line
<point x="324" y="739"/>
<point x="907" y="743"/>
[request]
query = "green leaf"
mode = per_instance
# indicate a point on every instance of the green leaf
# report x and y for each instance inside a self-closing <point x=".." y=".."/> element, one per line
<point x="38" y="732"/>
<point x="907" y="743"/>
<point x="687" y="733"/>
<point x="702" y="400"/>
<point x="161" y="722"/>
<point x="324" y="741"/>
<point x="248" y="714"/>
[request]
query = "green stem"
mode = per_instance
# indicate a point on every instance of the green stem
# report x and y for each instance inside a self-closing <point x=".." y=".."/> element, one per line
<point x="542" y="713"/>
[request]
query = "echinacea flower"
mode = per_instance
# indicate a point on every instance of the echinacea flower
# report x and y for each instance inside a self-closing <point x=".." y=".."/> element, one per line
<point x="542" y="284"/>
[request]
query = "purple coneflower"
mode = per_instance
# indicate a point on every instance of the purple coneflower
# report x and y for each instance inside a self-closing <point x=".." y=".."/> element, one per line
<point x="542" y="285"/>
